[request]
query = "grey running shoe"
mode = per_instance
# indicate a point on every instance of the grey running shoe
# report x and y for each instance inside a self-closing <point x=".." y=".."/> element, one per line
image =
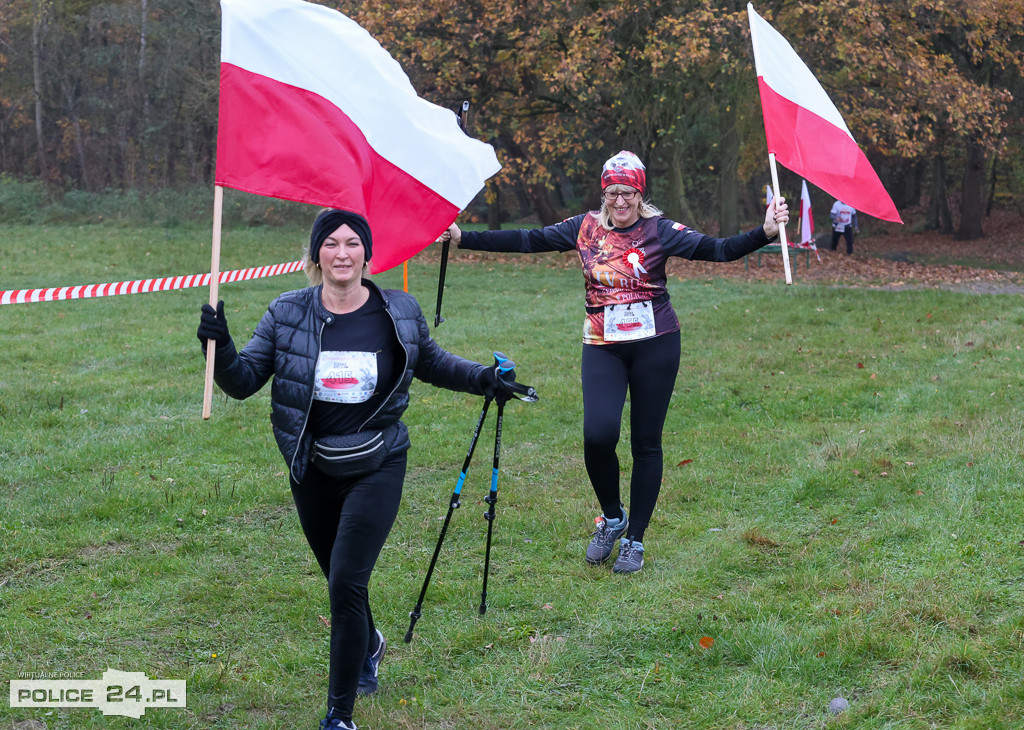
<point x="607" y="532"/>
<point x="631" y="557"/>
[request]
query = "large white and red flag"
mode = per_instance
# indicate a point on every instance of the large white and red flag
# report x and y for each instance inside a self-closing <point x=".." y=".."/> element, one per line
<point x="313" y="109"/>
<point x="805" y="131"/>
<point x="806" y="215"/>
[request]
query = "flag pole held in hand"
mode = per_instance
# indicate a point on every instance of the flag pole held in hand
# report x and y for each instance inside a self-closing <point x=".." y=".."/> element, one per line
<point x="782" y="229"/>
<point x="211" y="345"/>
<point x="447" y="243"/>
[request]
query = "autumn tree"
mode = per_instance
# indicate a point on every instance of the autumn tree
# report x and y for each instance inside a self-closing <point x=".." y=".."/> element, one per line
<point x="123" y="94"/>
<point x="921" y="84"/>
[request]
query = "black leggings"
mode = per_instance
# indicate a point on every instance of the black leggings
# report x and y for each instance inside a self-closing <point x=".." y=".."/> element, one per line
<point x="848" y="234"/>
<point x="648" y="368"/>
<point x="346" y="524"/>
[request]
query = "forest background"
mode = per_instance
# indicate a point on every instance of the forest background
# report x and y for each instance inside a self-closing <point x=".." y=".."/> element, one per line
<point x="121" y="97"/>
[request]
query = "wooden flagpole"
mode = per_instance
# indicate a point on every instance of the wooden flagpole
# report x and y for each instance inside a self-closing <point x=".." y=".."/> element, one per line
<point x="782" y="229"/>
<point x="211" y="345"/>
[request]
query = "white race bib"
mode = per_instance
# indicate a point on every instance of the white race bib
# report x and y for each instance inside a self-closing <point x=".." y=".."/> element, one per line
<point x="628" y="321"/>
<point x="345" y="377"/>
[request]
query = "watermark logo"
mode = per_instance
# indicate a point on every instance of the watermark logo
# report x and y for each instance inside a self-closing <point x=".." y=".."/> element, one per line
<point x="128" y="694"/>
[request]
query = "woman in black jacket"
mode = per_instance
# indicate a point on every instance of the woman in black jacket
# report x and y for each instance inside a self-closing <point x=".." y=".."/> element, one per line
<point x="343" y="353"/>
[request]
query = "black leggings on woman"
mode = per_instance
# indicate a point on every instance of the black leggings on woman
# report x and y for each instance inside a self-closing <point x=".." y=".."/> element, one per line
<point x="648" y="368"/>
<point x="346" y="524"/>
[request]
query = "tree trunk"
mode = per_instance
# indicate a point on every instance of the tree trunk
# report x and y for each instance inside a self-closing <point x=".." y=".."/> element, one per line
<point x="907" y="187"/>
<point x="37" y="84"/>
<point x="972" y="205"/>
<point x="143" y="136"/>
<point x="939" y="217"/>
<point x="494" y="207"/>
<point x="676" y="206"/>
<point x="540" y="197"/>
<point x="991" y="188"/>
<point x="728" y="183"/>
<point x="76" y="127"/>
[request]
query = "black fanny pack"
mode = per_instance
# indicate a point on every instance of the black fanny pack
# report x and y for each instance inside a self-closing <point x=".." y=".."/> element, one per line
<point x="351" y="455"/>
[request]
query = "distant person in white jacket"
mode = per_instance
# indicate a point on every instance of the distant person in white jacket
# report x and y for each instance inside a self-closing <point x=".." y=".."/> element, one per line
<point x="844" y="223"/>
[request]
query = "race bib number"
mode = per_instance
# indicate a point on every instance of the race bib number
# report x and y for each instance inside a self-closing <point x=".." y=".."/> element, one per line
<point x="628" y="321"/>
<point x="345" y="377"/>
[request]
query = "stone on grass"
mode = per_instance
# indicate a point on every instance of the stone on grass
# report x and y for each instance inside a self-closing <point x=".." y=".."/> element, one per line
<point x="837" y="705"/>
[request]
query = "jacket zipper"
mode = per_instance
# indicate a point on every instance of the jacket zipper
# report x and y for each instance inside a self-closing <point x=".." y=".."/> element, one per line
<point x="405" y="365"/>
<point x="309" y="406"/>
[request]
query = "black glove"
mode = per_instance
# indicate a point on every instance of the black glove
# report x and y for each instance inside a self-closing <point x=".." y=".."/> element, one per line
<point x="496" y="382"/>
<point x="213" y="326"/>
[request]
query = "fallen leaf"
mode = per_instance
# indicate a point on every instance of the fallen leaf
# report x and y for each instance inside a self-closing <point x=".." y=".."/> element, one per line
<point x="547" y="607"/>
<point x="684" y="462"/>
<point x="909" y="463"/>
<point x="324" y="620"/>
<point x="706" y="642"/>
<point x="860" y="365"/>
<point x="821" y="654"/>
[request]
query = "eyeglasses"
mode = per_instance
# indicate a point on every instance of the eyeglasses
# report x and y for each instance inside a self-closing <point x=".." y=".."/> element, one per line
<point x="610" y="197"/>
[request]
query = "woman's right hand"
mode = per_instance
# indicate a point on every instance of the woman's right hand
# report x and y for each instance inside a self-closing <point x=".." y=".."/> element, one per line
<point x="453" y="234"/>
<point x="213" y="325"/>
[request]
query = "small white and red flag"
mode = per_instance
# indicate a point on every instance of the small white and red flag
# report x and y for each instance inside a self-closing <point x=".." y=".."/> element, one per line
<point x="806" y="215"/>
<point x="805" y="131"/>
<point x="313" y="109"/>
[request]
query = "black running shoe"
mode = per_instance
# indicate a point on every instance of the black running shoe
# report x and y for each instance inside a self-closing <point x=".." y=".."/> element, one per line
<point x="368" y="677"/>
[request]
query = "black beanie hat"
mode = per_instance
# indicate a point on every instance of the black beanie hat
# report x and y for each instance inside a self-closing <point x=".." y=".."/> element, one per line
<point x="329" y="221"/>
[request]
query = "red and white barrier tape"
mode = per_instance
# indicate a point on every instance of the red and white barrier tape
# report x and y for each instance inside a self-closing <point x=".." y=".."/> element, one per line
<point x="141" y="286"/>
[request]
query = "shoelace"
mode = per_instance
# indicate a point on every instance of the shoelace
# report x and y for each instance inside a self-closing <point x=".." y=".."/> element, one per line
<point x="603" y="533"/>
<point x="626" y="551"/>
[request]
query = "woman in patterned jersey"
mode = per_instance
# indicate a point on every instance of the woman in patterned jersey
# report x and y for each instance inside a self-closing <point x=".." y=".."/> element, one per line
<point x="630" y="334"/>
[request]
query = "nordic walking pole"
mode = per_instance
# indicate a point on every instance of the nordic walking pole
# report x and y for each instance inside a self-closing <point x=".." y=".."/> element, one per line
<point x="492" y="498"/>
<point x="782" y="229"/>
<point x="447" y="243"/>
<point x="211" y="345"/>
<point x="453" y="504"/>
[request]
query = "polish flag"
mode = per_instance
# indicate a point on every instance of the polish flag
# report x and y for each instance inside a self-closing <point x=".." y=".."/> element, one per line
<point x="313" y="109"/>
<point x="806" y="215"/>
<point x="806" y="132"/>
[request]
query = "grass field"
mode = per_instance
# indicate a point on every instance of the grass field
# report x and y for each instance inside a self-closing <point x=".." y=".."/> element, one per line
<point x="842" y="511"/>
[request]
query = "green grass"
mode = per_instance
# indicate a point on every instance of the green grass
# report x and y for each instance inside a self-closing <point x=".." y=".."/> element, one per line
<point x="850" y="522"/>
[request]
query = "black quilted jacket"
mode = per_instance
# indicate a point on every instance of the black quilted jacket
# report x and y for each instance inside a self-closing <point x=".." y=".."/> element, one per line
<point x="286" y="344"/>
